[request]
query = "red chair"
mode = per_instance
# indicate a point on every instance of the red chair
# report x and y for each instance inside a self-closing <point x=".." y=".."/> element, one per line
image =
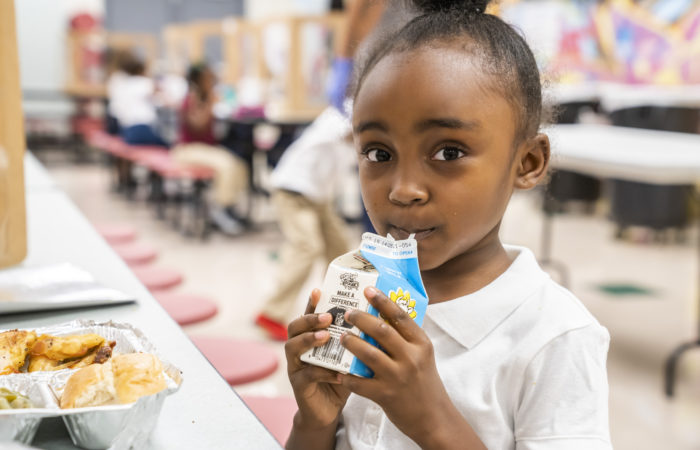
<point x="136" y="253"/>
<point x="187" y="309"/>
<point x="276" y="413"/>
<point x="158" y="278"/>
<point x="139" y="153"/>
<point x="238" y="362"/>
<point x="193" y="182"/>
<point x="116" y="233"/>
<point x="98" y="138"/>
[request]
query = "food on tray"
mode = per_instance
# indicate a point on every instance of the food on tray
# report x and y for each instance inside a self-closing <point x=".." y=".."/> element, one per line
<point x="13" y="400"/>
<point x="66" y="347"/>
<point x="14" y="348"/>
<point x="48" y="352"/>
<point x="124" y="379"/>
<point x="137" y="375"/>
<point x="40" y="363"/>
<point x="69" y="352"/>
<point x="99" y="355"/>
<point x="90" y="386"/>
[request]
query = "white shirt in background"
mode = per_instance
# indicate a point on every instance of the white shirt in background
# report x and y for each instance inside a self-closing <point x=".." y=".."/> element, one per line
<point x="522" y="360"/>
<point x="131" y="99"/>
<point x="313" y="164"/>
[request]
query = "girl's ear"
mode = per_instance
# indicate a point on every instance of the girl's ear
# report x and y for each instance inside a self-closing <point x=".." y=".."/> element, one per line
<point x="533" y="160"/>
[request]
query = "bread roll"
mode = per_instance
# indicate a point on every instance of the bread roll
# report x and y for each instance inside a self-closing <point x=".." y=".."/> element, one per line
<point x="90" y="386"/>
<point x="137" y="375"/>
<point x="123" y="379"/>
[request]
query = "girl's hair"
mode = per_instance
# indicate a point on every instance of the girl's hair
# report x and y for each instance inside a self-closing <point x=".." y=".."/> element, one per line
<point x="131" y="64"/>
<point x="195" y="72"/>
<point x="194" y="77"/>
<point x="503" y="53"/>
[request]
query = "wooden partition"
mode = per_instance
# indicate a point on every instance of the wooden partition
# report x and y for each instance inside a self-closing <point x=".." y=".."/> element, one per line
<point x="86" y="70"/>
<point x="243" y="51"/>
<point x="287" y="93"/>
<point x="185" y="43"/>
<point x="297" y="102"/>
<point x="13" y="228"/>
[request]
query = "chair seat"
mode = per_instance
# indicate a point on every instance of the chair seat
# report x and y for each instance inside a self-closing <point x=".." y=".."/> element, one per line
<point x="116" y="233"/>
<point x="195" y="173"/>
<point x="157" y="278"/>
<point x="276" y="413"/>
<point x="187" y="309"/>
<point x="238" y="361"/>
<point x="136" y="254"/>
<point x="163" y="164"/>
<point x="139" y="153"/>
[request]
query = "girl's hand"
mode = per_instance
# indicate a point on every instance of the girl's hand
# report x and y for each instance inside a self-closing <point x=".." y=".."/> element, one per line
<point x="406" y="382"/>
<point x="318" y="392"/>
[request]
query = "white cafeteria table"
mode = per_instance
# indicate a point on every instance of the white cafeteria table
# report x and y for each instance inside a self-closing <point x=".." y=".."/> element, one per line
<point x="205" y="413"/>
<point x="632" y="154"/>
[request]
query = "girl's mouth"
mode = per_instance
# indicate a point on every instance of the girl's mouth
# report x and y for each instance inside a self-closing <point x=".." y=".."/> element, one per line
<point x="402" y="233"/>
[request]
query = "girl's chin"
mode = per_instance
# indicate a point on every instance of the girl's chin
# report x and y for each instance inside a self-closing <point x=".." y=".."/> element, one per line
<point x="427" y="261"/>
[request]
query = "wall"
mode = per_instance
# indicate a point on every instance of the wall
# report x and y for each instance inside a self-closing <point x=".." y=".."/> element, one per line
<point x="258" y="9"/>
<point x="41" y="38"/>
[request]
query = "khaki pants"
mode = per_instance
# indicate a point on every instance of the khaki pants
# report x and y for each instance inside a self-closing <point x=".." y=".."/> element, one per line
<point x="310" y="230"/>
<point x="231" y="173"/>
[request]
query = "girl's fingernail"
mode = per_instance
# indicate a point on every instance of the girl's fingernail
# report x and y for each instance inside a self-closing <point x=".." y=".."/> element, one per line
<point x="371" y="292"/>
<point x="324" y="317"/>
<point x="320" y="334"/>
<point x="348" y="315"/>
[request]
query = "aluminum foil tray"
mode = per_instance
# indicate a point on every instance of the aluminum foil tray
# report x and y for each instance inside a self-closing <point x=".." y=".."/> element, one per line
<point x="99" y="427"/>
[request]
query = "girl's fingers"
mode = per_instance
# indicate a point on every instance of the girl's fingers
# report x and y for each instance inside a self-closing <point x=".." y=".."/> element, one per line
<point x="397" y="317"/>
<point x="372" y="356"/>
<point x="297" y="345"/>
<point x="314" y="297"/>
<point x="308" y="322"/>
<point x="313" y="374"/>
<point x="365" y="387"/>
<point x="376" y="327"/>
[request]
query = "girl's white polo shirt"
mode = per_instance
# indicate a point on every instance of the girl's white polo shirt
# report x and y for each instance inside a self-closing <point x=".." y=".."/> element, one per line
<point x="522" y="360"/>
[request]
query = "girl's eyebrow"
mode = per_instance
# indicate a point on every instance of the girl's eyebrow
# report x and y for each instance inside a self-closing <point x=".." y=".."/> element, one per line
<point x="424" y="125"/>
<point x="447" y="122"/>
<point x="371" y="125"/>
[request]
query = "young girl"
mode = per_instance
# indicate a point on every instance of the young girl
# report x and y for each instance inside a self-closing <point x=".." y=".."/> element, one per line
<point x="198" y="146"/>
<point x="445" y="119"/>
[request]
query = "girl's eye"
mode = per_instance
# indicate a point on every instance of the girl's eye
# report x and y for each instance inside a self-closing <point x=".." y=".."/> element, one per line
<point x="378" y="155"/>
<point x="448" y="154"/>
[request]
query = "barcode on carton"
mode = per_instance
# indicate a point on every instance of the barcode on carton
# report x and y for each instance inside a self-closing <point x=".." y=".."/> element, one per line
<point x="330" y="352"/>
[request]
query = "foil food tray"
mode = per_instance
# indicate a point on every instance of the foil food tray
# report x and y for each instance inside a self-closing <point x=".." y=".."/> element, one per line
<point x="99" y="427"/>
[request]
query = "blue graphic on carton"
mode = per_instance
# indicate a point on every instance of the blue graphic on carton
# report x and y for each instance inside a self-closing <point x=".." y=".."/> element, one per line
<point x="399" y="278"/>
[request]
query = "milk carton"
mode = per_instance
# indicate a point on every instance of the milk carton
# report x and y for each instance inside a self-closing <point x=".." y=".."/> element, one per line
<point x="389" y="265"/>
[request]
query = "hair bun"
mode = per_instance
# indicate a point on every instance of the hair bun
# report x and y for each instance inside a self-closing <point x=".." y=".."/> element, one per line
<point x="433" y="6"/>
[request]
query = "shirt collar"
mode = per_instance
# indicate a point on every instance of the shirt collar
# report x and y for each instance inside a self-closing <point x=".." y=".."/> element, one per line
<point x="470" y="318"/>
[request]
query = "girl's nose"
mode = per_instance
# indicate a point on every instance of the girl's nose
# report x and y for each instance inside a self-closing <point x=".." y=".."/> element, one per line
<point x="408" y="191"/>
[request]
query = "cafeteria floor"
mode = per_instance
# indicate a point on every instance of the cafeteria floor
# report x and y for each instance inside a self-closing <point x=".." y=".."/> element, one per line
<point x="645" y="324"/>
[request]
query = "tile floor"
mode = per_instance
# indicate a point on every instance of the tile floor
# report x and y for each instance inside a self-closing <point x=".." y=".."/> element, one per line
<point x="238" y="272"/>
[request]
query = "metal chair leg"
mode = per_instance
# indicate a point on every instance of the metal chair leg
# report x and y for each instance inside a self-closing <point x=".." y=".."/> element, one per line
<point x="671" y="365"/>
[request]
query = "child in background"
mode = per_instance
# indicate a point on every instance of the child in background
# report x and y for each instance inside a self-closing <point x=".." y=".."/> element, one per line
<point x="198" y="146"/>
<point x="131" y="103"/>
<point x="303" y="183"/>
<point x="446" y="123"/>
<point x="115" y="75"/>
